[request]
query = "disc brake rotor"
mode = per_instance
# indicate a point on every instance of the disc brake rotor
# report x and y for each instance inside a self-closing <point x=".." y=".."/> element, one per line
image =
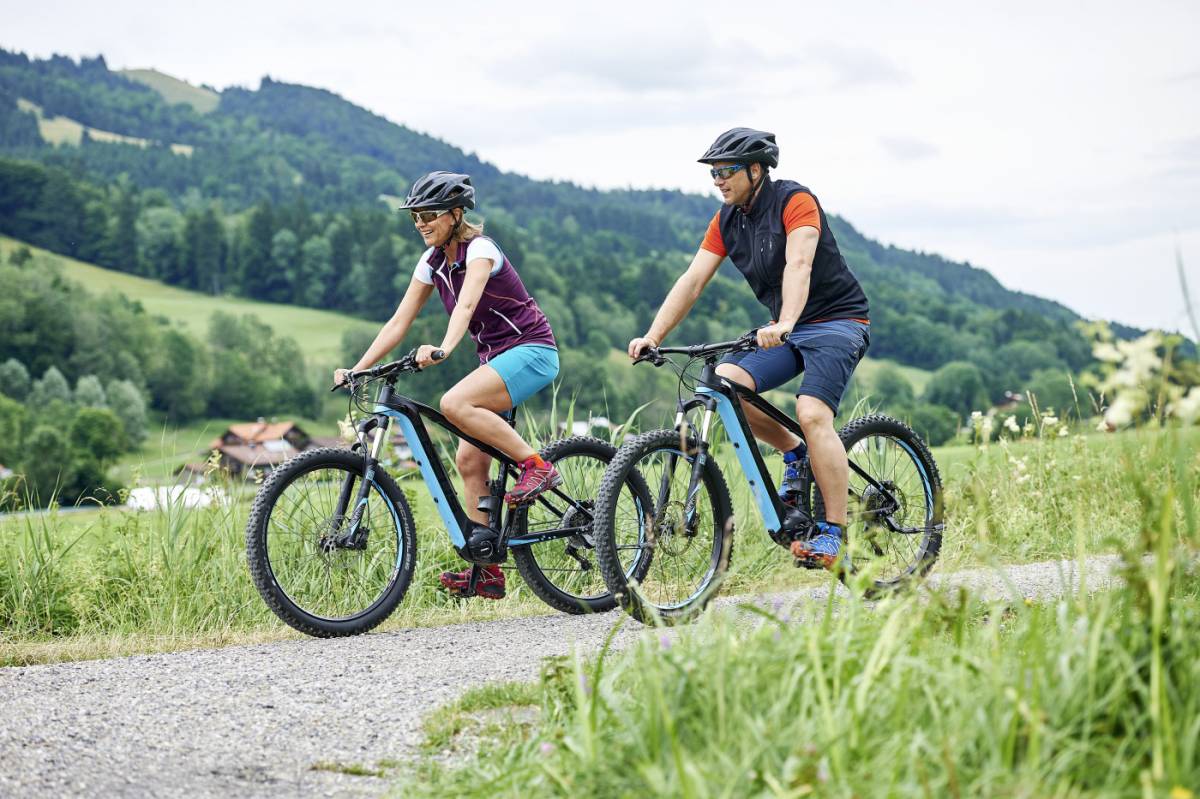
<point x="669" y="534"/>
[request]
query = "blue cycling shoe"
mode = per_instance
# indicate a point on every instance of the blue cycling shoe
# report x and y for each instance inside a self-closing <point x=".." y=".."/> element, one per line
<point x="821" y="551"/>
<point x="795" y="469"/>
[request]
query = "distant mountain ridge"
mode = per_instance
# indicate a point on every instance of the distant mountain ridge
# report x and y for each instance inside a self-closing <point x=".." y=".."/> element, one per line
<point x="296" y="159"/>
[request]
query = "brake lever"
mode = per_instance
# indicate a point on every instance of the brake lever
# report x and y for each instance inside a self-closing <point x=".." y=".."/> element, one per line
<point x="651" y="354"/>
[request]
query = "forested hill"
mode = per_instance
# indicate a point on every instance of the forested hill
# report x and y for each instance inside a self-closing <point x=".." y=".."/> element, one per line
<point x="274" y="194"/>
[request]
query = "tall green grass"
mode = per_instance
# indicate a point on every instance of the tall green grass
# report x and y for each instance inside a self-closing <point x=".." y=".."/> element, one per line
<point x="923" y="695"/>
<point x="139" y="581"/>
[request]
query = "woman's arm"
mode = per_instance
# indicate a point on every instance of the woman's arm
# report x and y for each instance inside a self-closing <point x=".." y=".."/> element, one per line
<point x="478" y="272"/>
<point x="394" y="329"/>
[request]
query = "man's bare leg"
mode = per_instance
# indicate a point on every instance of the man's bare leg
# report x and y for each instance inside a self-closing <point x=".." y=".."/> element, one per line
<point x="764" y="427"/>
<point x="827" y="456"/>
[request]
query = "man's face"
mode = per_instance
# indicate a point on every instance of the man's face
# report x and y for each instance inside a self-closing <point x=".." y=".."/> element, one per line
<point x="735" y="189"/>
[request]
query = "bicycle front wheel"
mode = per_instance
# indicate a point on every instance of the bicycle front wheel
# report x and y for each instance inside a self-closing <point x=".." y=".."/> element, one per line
<point x="563" y="571"/>
<point x="307" y="569"/>
<point x="689" y="538"/>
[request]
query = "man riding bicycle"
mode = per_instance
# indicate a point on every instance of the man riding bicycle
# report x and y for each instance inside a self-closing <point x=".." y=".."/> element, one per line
<point x="776" y="234"/>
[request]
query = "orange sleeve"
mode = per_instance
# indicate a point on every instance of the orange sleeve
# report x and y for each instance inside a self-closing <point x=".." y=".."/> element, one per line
<point x="801" y="211"/>
<point x="712" y="237"/>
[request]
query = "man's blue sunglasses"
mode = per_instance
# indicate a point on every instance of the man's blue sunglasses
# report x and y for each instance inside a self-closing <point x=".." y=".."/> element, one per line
<point x="726" y="172"/>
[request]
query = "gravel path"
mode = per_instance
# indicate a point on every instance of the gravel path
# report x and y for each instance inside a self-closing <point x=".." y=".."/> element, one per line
<point x="252" y="720"/>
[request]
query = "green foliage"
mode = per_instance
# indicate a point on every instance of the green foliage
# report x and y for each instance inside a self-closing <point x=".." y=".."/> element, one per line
<point x="1054" y="389"/>
<point x="46" y="462"/>
<point x="891" y="388"/>
<point x="97" y="432"/>
<point x="937" y="424"/>
<point x="959" y="387"/>
<point x="13" y="420"/>
<point x="127" y="403"/>
<point x="255" y="372"/>
<point x="278" y="201"/>
<point x="52" y="387"/>
<point x="14" y="379"/>
<point x="89" y="392"/>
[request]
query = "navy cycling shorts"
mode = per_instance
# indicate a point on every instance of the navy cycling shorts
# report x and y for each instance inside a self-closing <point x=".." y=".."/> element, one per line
<point x="826" y="352"/>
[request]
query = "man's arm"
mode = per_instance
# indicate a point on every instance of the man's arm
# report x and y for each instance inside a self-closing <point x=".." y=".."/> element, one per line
<point x="797" y="270"/>
<point x="679" y="301"/>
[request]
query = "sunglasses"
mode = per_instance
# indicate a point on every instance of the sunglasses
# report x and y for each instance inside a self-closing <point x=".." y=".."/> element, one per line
<point x="726" y="172"/>
<point x="425" y="217"/>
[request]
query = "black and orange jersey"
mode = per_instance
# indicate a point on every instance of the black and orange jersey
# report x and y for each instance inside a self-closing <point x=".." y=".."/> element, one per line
<point x="756" y="242"/>
<point x="800" y="211"/>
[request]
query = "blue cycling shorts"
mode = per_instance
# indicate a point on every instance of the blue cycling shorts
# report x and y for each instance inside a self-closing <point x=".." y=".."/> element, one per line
<point x="826" y="352"/>
<point x="526" y="370"/>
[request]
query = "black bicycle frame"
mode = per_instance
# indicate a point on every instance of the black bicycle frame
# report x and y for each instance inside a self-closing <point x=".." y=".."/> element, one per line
<point x="724" y="397"/>
<point x="410" y="415"/>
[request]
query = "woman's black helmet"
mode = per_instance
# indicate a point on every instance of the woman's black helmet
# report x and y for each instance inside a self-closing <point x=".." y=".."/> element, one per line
<point x="441" y="191"/>
<point x="743" y="146"/>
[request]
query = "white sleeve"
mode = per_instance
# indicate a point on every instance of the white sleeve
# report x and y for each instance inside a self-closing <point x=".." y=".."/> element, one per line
<point x="485" y="248"/>
<point x="423" y="272"/>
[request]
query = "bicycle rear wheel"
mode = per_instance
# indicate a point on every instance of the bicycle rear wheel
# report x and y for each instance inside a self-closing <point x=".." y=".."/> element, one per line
<point x="894" y="522"/>
<point x="307" y="574"/>
<point x="690" y="553"/>
<point x="563" y="572"/>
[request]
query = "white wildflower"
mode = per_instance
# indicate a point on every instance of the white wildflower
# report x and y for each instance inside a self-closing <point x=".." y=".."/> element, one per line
<point x="1121" y="412"/>
<point x="1010" y="424"/>
<point x="1187" y="409"/>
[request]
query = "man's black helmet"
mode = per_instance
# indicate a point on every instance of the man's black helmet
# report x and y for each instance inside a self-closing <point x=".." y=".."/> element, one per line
<point x="441" y="191"/>
<point x="743" y="146"/>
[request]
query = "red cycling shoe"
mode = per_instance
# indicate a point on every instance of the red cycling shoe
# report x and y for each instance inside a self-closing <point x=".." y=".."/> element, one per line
<point x="537" y="476"/>
<point x="490" y="584"/>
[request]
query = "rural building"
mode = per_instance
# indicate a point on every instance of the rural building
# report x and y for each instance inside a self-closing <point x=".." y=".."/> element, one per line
<point x="250" y="448"/>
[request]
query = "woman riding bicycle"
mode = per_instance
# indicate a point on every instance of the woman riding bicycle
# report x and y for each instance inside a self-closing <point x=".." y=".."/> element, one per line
<point x="517" y="354"/>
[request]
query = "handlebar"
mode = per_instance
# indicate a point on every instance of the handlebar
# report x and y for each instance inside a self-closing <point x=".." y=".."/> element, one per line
<point x="656" y="355"/>
<point x="406" y="364"/>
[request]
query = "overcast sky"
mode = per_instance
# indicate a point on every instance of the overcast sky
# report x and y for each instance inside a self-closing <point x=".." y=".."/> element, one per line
<point x="1056" y="144"/>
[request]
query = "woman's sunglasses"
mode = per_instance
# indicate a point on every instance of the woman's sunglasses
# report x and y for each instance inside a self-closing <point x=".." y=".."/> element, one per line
<point x="425" y="217"/>
<point x="726" y="172"/>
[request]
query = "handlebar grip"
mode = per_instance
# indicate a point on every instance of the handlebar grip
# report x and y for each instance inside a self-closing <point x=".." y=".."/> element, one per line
<point x="438" y="355"/>
<point x="652" y="355"/>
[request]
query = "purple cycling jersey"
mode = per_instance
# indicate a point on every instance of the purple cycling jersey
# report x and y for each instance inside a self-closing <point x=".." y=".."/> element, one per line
<point x="506" y="315"/>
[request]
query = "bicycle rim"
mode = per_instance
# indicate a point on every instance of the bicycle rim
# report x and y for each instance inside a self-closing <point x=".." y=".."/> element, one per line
<point x="320" y="577"/>
<point x="890" y="556"/>
<point x="685" y="549"/>
<point x="569" y="563"/>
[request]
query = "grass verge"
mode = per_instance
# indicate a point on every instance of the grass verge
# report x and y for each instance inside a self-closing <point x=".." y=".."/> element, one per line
<point x="1092" y="694"/>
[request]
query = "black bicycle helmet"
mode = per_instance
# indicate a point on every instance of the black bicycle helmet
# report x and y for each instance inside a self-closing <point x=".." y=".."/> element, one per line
<point x="743" y="146"/>
<point x="441" y="191"/>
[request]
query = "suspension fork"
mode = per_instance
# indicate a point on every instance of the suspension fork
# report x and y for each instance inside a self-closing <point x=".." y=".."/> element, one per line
<point x="696" y="475"/>
<point x="377" y="427"/>
<point x="689" y="508"/>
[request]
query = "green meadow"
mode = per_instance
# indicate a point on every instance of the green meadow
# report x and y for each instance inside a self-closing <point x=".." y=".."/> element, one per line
<point x="319" y="333"/>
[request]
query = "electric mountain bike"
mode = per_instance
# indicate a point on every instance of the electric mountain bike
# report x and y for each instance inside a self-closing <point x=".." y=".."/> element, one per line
<point x="331" y="541"/>
<point x="894" y="527"/>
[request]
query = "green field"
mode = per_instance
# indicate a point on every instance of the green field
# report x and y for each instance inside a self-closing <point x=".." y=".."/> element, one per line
<point x="174" y="90"/>
<point x="319" y="333"/>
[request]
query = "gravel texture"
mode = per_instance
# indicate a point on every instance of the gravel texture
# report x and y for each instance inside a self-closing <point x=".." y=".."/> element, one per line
<point x="253" y="720"/>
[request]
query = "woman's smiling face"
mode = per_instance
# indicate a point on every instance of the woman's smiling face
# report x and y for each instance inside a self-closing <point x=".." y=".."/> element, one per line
<point x="433" y="230"/>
